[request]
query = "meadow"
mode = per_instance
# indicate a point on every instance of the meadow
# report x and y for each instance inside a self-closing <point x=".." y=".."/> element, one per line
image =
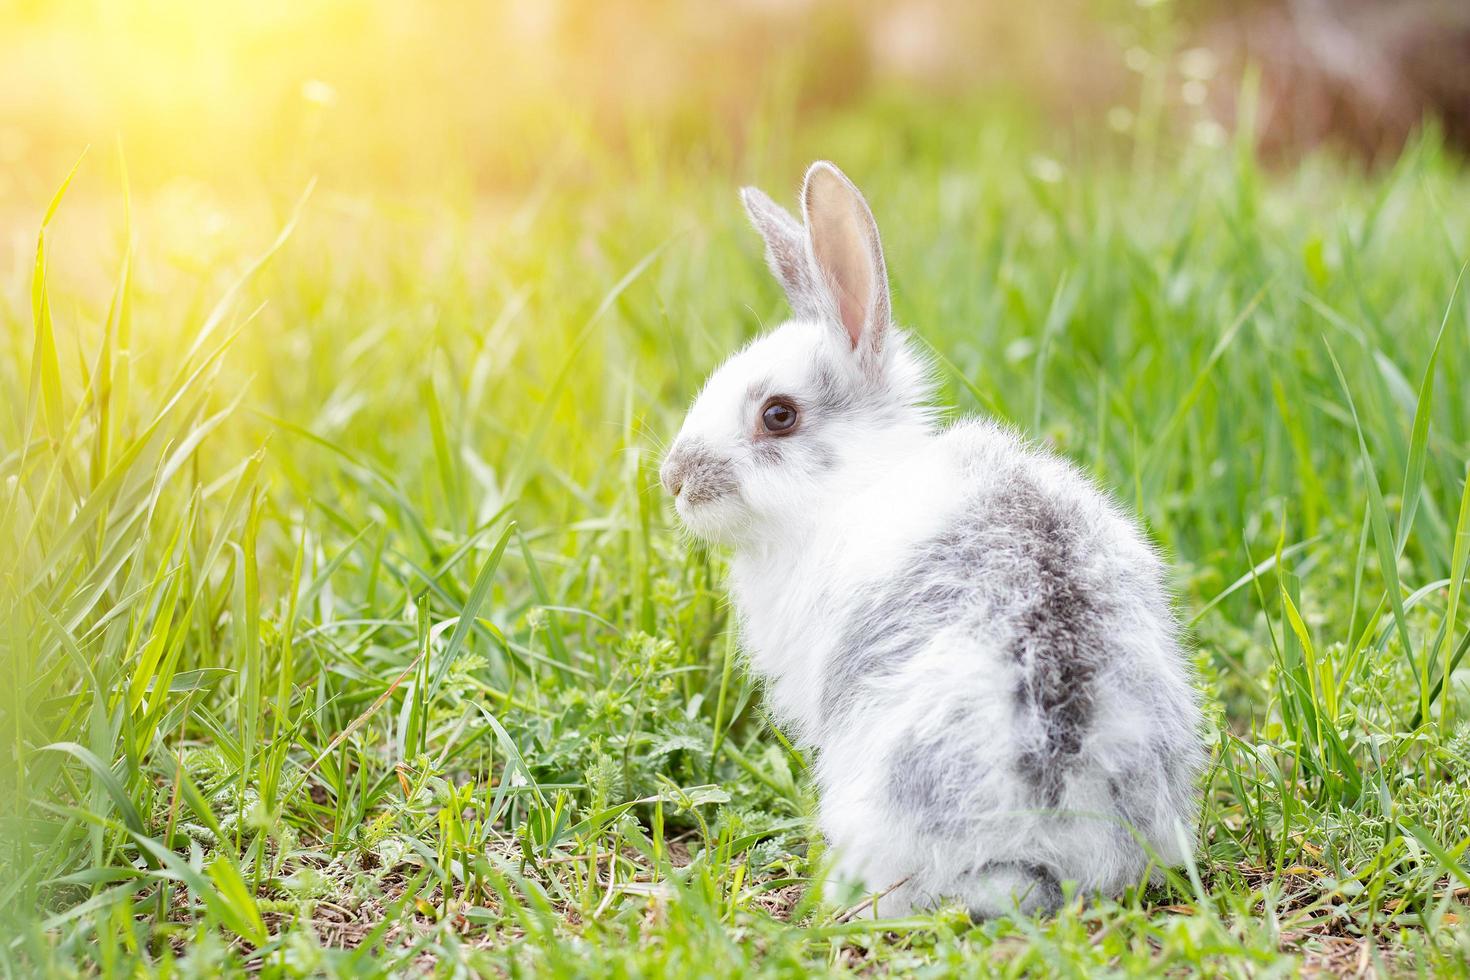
<point x="347" y="631"/>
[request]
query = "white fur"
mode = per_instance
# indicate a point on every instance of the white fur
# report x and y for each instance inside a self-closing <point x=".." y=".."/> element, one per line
<point x="922" y="772"/>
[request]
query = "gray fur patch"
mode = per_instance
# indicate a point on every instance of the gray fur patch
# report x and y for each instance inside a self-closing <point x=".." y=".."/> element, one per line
<point x="1036" y="886"/>
<point x="933" y="788"/>
<point x="1009" y="564"/>
<point x="831" y="394"/>
<point x="944" y="582"/>
<point x="1049" y="888"/>
<point x="884" y="635"/>
<point x="1129" y="803"/>
<point x="700" y="474"/>
<point x="1057" y="640"/>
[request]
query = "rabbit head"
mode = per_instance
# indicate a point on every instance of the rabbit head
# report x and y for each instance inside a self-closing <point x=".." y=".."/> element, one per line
<point x="832" y="394"/>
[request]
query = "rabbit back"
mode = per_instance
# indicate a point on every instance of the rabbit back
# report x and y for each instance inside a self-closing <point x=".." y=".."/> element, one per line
<point x="1013" y="692"/>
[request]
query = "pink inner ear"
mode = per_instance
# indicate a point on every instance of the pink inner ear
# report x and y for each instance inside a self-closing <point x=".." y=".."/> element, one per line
<point x="853" y="312"/>
<point x="843" y="253"/>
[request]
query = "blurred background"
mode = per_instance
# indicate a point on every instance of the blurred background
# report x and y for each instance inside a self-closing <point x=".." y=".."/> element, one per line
<point x="216" y="116"/>
<point x="486" y="96"/>
<point x="475" y="164"/>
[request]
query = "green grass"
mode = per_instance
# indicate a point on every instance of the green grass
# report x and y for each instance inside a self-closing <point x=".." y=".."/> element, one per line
<point x="345" y="628"/>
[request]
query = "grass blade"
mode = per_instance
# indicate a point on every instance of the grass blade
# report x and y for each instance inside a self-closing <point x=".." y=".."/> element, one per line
<point x="1383" y="538"/>
<point x="1419" y="440"/>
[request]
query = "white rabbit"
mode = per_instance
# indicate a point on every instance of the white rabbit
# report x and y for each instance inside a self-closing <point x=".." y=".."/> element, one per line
<point x="975" y="645"/>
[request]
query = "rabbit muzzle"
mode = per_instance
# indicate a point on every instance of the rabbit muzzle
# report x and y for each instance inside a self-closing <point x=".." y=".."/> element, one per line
<point x="695" y="474"/>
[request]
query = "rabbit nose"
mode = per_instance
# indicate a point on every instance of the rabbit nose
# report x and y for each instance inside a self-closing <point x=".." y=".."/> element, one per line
<point x="696" y="474"/>
<point x="672" y="473"/>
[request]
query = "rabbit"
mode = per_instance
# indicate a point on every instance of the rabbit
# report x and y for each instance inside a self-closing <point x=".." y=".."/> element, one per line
<point x="975" y="646"/>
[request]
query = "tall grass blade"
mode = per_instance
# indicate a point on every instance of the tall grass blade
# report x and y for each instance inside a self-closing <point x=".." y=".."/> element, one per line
<point x="1419" y="439"/>
<point x="1383" y="539"/>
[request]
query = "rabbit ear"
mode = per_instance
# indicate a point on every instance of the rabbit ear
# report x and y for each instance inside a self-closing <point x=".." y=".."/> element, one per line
<point x="847" y="256"/>
<point x="786" y="250"/>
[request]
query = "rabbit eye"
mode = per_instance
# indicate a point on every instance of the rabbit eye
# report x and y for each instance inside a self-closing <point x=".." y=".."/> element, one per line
<point x="779" y="416"/>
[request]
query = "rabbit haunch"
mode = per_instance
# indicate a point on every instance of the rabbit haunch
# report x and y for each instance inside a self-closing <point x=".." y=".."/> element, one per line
<point x="974" y="643"/>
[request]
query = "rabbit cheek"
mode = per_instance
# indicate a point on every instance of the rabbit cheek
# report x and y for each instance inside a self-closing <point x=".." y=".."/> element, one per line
<point x="767" y="451"/>
<point x="813" y="457"/>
